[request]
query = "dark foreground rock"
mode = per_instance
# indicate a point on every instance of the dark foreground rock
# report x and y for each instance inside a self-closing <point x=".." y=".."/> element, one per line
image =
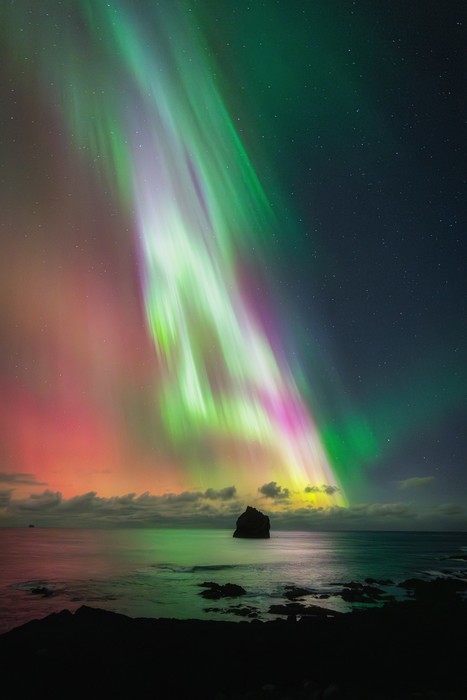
<point x="296" y="592"/>
<point x="252" y="524"/>
<point x="398" y="652"/>
<point x="297" y="608"/>
<point x="355" y="592"/>
<point x="436" y="591"/>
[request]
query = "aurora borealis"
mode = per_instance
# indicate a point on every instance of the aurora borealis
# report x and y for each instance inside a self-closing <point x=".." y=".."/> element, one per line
<point x="223" y="265"/>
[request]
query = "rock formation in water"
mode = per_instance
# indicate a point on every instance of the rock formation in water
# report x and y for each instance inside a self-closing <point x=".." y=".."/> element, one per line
<point x="217" y="590"/>
<point x="252" y="524"/>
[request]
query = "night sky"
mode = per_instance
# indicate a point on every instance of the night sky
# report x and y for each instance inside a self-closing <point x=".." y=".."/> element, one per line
<point x="233" y="263"/>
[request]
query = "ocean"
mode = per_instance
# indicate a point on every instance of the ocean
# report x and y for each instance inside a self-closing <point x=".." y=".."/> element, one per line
<point x="156" y="572"/>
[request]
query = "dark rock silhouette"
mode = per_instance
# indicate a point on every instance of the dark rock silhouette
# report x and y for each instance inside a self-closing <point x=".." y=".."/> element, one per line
<point x="438" y="590"/>
<point x="42" y="590"/>
<point x="216" y="590"/>
<point x="396" y="652"/>
<point x="239" y="610"/>
<point x="296" y="608"/>
<point x="252" y="524"/>
<point x="294" y="592"/>
<point x="356" y="592"/>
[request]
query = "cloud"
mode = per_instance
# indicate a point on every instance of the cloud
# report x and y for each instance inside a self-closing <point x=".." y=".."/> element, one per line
<point x="449" y="509"/>
<point x="82" y="503"/>
<point x="273" y="490"/>
<point x="363" y="516"/>
<point x="218" y="508"/>
<point x="5" y="497"/>
<point x="15" y="478"/>
<point x="225" y="494"/>
<point x="416" y="482"/>
<point x="47" y="500"/>
<point x="374" y="510"/>
<point x="329" y="489"/>
<point x="390" y="510"/>
<point x="88" y="509"/>
<point x="184" y="497"/>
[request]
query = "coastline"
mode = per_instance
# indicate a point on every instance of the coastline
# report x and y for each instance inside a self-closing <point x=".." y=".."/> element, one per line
<point x="153" y="573"/>
<point x="410" y="649"/>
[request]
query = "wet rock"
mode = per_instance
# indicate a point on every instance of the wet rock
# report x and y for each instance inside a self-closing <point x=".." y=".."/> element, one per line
<point x="214" y="591"/>
<point x="300" y="609"/>
<point x="437" y="590"/>
<point x="244" y="611"/>
<point x="42" y="590"/>
<point x="294" y="592"/>
<point x="410" y="583"/>
<point x="238" y="610"/>
<point x="360" y="593"/>
<point x="352" y="584"/>
<point x="380" y="582"/>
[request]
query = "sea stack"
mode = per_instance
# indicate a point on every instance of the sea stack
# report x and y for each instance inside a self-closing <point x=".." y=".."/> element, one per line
<point x="252" y="524"/>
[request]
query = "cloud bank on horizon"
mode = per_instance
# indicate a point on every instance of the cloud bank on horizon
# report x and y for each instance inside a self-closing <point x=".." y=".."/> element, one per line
<point x="216" y="508"/>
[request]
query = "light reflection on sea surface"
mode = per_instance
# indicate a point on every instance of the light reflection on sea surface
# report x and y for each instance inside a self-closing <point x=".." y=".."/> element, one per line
<point x="155" y="573"/>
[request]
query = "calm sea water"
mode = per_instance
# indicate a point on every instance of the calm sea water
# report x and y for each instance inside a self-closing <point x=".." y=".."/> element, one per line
<point x="155" y="573"/>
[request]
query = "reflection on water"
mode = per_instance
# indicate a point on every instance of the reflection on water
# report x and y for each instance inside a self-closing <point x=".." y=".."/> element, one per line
<point x="156" y="573"/>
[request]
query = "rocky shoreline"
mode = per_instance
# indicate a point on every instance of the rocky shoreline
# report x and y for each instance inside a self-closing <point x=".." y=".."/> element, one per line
<point x="299" y="601"/>
<point x="401" y="650"/>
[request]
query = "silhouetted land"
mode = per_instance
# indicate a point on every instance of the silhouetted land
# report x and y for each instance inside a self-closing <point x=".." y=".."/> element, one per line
<point x="415" y="649"/>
